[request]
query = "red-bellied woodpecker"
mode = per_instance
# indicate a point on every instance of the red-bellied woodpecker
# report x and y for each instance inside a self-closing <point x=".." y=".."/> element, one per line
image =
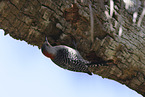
<point x="68" y="58"/>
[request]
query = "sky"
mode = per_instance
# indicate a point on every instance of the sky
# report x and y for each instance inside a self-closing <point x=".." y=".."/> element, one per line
<point x="26" y="72"/>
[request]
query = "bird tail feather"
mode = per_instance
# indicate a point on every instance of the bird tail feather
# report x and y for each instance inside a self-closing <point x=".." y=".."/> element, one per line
<point x="100" y="63"/>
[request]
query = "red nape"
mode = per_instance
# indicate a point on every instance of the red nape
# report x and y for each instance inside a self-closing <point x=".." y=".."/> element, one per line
<point x="48" y="55"/>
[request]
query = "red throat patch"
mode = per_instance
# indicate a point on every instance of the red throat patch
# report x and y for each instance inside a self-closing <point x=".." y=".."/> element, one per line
<point x="48" y="55"/>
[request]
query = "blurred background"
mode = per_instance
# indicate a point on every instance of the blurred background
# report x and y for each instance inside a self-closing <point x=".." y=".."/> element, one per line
<point x="26" y="72"/>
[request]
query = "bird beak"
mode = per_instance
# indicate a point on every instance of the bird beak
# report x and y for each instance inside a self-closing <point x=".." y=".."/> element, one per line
<point x="46" y="39"/>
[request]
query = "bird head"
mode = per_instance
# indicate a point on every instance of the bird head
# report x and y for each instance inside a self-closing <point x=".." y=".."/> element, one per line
<point x="48" y="50"/>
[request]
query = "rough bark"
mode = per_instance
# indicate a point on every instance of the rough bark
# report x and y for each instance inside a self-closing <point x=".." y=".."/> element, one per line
<point x="68" y="22"/>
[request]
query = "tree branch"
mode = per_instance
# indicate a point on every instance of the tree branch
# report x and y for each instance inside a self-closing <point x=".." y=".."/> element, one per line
<point x="65" y="22"/>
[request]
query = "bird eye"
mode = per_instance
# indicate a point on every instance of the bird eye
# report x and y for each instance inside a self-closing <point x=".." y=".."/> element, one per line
<point x="47" y="44"/>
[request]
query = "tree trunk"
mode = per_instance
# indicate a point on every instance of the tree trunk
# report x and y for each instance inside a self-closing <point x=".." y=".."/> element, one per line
<point x="99" y="36"/>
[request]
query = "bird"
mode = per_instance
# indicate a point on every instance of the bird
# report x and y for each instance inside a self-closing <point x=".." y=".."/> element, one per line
<point x="68" y="58"/>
